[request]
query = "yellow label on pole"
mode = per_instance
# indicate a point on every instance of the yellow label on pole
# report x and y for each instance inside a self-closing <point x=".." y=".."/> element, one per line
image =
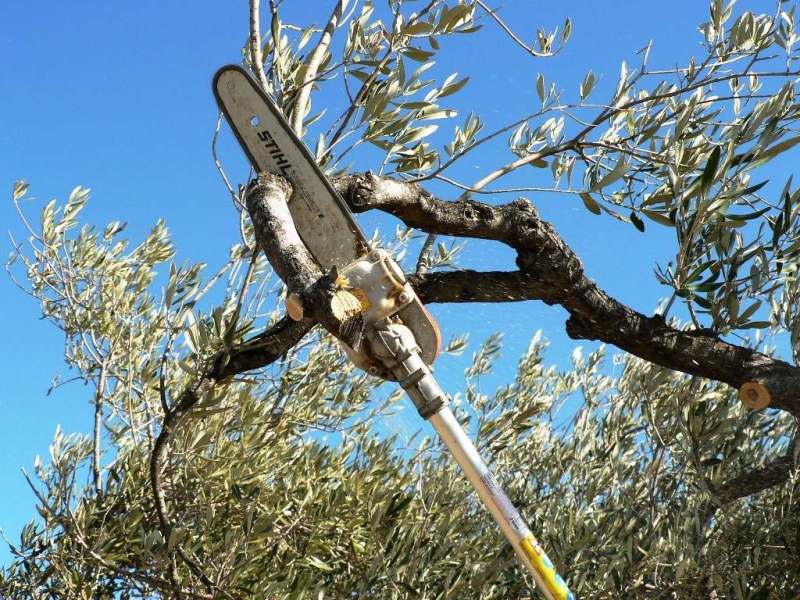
<point x="555" y="585"/>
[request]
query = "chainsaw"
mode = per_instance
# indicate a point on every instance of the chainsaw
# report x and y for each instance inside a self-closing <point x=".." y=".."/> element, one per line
<point x="402" y="338"/>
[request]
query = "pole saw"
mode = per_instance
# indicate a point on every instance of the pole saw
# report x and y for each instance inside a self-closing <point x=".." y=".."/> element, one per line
<point x="401" y="337"/>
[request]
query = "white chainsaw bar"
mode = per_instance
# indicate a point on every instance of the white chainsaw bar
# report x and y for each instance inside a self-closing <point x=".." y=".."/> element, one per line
<point x="322" y="218"/>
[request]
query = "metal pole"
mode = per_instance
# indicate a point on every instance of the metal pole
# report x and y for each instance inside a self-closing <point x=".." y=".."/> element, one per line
<point x="513" y="526"/>
<point x="396" y="347"/>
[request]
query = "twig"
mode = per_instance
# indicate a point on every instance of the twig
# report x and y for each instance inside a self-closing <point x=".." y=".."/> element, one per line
<point x="360" y="95"/>
<point x="162" y="375"/>
<point x="512" y="166"/>
<point x="236" y="200"/>
<point x="71" y="529"/>
<point x="256" y="57"/>
<point x="231" y="331"/>
<point x="98" y="424"/>
<point x="312" y="66"/>
<point x="478" y="142"/>
<point x="510" y="190"/>
<point x="511" y="33"/>
<point x="365" y="88"/>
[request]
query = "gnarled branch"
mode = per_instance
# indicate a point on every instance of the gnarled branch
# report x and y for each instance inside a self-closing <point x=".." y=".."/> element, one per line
<point x="325" y="301"/>
<point x="550" y="271"/>
<point x="753" y="482"/>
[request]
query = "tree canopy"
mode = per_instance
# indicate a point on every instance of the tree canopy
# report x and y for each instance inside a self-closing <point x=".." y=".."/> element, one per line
<point x="234" y="451"/>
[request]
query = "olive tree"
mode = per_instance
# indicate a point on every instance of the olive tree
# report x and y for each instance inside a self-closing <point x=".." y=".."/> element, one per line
<point x="229" y="459"/>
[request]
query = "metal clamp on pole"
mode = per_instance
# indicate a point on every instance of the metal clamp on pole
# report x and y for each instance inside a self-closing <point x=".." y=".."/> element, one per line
<point x="395" y="346"/>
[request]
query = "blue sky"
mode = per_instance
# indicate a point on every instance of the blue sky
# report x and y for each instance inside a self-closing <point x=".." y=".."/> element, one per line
<point x="116" y="97"/>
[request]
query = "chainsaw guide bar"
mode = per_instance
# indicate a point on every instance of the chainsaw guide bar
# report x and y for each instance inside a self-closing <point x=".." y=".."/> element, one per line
<point x="322" y="218"/>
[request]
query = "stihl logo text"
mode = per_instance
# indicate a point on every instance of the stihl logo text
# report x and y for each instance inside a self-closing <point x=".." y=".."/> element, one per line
<point x="277" y="154"/>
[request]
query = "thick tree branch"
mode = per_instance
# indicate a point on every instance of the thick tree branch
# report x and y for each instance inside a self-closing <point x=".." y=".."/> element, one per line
<point x="550" y="271"/>
<point x="277" y="235"/>
<point x="261" y="350"/>
<point x="477" y="286"/>
<point x="753" y="482"/>
<point x="323" y="299"/>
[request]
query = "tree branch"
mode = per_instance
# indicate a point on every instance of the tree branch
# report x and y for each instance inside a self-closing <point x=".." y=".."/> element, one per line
<point x="256" y="57"/>
<point x="261" y="350"/>
<point x="550" y="271"/>
<point x="511" y="33"/>
<point x="276" y="233"/>
<point x="312" y="66"/>
<point x="323" y="298"/>
<point x="256" y="353"/>
<point x="98" y="425"/>
<point x="477" y="286"/>
<point x="326" y="303"/>
<point x="753" y="482"/>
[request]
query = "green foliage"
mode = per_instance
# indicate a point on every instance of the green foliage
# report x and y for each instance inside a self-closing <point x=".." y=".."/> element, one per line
<point x="680" y="147"/>
<point x="280" y="487"/>
<point x="279" y="483"/>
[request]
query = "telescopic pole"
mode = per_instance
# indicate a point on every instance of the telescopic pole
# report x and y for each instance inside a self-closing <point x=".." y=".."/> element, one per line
<point x="395" y="345"/>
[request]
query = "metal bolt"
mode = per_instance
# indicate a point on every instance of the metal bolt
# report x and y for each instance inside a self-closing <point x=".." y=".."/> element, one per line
<point x="376" y="255"/>
<point x="373" y="370"/>
<point x="404" y="297"/>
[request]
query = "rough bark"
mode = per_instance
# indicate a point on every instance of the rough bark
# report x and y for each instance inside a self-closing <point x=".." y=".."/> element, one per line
<point x="276" y="234"/>
<point x="324" y="299"/>
<point x="550" y="271"/>
<point x="756" y="481"/>
<point x="753" y="482"/>
<point x="261" y="350"/>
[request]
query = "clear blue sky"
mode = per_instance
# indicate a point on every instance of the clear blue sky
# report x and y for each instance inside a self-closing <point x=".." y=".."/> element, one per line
<point x="116" y="96"/>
